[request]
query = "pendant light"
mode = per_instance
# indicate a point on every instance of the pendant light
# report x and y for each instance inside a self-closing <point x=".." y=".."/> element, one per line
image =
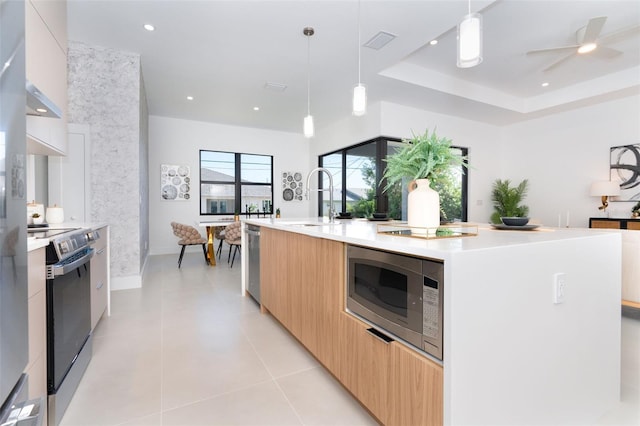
<point x="308" y="120"/>
<point x="359" y="92"/>
<point x="470" y="39"/>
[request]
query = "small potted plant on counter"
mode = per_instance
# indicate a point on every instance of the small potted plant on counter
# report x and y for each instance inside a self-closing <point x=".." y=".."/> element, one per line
<point x="507" y="203"/>
<point x="37" y="219"/>
<point x="635" y="211"/>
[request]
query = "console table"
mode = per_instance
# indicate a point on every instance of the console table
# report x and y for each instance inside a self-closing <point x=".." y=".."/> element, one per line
<point x="630" y="256"/>
<point x="614" y="223"/>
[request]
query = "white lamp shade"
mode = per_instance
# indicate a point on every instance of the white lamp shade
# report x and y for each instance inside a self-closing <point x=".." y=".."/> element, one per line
<point x="359" y="100"/>
<point x="308" y="126"/>
<point x="470" y="41"/>
<point x="605" y="187"/>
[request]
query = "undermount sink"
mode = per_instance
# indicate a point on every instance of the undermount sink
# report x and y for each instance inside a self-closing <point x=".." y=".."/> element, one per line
<point x="310" y="223"/>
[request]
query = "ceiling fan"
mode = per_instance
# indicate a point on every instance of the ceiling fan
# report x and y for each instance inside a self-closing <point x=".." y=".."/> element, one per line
<point x="589" y="41"/>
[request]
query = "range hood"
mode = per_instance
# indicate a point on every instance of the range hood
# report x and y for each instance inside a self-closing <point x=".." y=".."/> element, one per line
<point x="38" y="104"/>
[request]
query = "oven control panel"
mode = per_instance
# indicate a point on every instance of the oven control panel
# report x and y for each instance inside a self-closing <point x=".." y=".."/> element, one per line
<point x="67" y="244"/>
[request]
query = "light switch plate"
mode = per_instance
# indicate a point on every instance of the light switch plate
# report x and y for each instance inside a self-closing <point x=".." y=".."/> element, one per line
<point x="559" y="287"/>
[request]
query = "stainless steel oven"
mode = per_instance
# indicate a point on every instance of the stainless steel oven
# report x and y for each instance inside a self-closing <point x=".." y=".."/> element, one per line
<point x="69" y="349"/>
<point x="400" y="294"/>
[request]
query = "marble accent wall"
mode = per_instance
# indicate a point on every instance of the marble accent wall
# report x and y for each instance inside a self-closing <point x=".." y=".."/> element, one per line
<point x="105" y="91"/>
<point x="144" y="173"/>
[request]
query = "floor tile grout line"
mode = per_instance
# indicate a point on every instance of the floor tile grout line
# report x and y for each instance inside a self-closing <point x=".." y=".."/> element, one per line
<point x="273" y="378"/>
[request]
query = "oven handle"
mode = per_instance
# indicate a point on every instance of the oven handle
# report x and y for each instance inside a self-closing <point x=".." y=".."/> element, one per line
<point x="57" y="270"/>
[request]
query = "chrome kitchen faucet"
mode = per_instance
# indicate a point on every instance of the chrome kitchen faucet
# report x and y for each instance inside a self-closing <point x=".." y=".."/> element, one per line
<point x="322" y="169"/>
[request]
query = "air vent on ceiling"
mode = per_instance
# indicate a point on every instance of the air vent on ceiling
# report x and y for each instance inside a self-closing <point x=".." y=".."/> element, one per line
<point x="379" y="40"/>
<point x="276" y="87"/>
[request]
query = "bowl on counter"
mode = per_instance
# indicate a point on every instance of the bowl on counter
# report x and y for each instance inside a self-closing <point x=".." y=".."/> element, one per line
<point x="379" y="215"/>
<point x="515" y="221"/>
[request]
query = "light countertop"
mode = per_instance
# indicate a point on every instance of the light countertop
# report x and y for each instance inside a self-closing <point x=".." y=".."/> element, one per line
<point x="364" y="232"/>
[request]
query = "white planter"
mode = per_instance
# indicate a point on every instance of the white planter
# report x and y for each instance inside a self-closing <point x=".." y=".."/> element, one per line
<point x="423" y="205"/>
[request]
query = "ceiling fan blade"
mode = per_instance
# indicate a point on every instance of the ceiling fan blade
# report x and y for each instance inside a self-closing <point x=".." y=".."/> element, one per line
<point x="619" y="35"/>
<point x="552" y="49"/>
<point x="594" y="27"/>
<point x="605" y="52"/>
<point x="557" y="63"/>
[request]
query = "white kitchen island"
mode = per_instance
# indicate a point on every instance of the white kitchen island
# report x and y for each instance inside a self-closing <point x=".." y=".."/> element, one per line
<point x="511" y="355"/>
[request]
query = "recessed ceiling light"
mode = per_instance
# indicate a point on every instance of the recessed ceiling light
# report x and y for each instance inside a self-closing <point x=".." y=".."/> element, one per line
<point x="256" y="108"/>
<point x="41" y="110"/>
<point x="545" y="84"/>
<point x="149" y="27"/>
<point x="189" y="98"/>
<point x="433" y="42"/>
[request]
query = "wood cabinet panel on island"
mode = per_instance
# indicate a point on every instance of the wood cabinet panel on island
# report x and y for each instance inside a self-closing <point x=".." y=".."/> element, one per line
<point x="300" y="291"/>
<point x="303" y="286"/>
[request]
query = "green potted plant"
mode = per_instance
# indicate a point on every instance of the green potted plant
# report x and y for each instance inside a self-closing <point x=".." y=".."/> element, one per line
<point x="423" y="159"/>
<point x="37" y="219"/>
<point x="507" y="202"/>
<point x="278" y="213"/>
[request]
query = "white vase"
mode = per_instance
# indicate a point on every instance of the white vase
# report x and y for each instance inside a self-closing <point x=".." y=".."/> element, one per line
<point x="423" y="206"/>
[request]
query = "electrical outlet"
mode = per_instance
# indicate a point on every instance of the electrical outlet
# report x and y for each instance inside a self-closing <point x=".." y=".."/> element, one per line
<point x="559" y="287"/>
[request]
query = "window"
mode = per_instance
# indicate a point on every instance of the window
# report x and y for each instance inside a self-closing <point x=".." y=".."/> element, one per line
<point x="359" y="168"/>
<point x="235" y="182"/>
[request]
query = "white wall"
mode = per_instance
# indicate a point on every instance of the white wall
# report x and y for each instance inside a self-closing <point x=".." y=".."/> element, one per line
<point x="564" y="153"/>
<point x="176" y="141"/>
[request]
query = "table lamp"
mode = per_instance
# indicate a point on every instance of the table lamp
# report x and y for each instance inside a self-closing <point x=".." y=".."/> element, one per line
<point x="605" y="189"/>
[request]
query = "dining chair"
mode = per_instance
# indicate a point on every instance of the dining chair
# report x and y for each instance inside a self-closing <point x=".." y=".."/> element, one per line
<point x="233" y="237"/>
<point x="189" y="236"/>
<point x="219" y="234"/>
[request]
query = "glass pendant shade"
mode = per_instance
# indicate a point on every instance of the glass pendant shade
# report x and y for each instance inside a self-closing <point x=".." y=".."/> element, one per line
<point x="308" y="126"/>
<point x="470" y="41"/>
<point x="359" y="100"/>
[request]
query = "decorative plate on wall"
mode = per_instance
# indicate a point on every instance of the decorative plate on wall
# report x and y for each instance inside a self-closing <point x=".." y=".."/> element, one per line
<point x="292" y="186"/>
<point x="174" y="182"/>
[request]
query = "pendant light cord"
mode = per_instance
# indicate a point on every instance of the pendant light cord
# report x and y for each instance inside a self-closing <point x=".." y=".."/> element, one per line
<point x="469" y="8"/>
<point x="359" y="47"/>
<point x="308" y="74"/>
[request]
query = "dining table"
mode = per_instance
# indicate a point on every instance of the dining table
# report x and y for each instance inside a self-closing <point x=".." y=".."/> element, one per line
<point x="210" y="226"/>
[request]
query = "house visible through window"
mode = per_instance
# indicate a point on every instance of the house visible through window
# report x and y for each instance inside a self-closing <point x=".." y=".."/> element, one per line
<point x="233" y="182"/>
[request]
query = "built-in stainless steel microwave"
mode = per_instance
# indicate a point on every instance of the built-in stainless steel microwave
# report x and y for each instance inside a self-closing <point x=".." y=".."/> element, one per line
<point x="400" y="294"/>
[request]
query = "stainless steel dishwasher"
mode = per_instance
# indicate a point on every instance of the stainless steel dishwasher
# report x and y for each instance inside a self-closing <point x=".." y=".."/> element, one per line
<point x="253" y="275"/>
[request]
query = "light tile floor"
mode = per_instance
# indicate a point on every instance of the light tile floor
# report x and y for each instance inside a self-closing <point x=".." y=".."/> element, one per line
<point x="188" y="349"/>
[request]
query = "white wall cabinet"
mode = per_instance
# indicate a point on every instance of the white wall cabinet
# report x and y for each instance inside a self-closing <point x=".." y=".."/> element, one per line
<point x="100" y="277"/>
<point x="46" y="66"/>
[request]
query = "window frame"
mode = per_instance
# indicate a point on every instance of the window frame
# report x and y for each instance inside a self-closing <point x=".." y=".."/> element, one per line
<point x="238" y="182"/>
<point x="381" y="198"/>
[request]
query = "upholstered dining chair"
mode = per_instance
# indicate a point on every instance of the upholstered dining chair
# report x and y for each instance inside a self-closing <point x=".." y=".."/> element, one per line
<point x="233" y="237"/>
<point x="219" y="235"/>
<point x="189" y="236"/>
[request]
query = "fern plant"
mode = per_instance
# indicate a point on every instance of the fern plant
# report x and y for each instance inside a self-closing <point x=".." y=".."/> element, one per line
<point x="507" y="199"/>
<point x="425" y="156"/>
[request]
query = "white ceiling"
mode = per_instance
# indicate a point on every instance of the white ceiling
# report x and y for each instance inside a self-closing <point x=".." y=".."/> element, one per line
<point x="223" y="53"/>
